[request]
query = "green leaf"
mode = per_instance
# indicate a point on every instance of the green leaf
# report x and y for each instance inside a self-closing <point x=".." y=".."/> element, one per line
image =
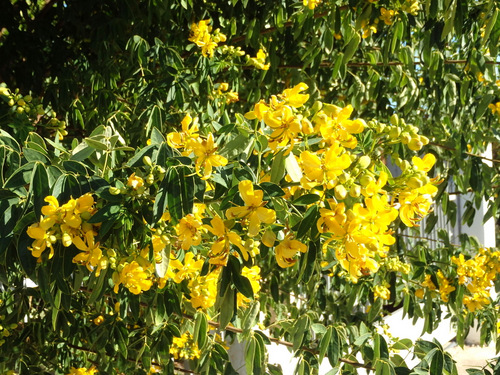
<point x="240" y="282"/>
<point x="65" y="187"/>
<point x="403" y="344"/>
<point x="35" y="156"/>
<point x="272" y="190"/>
<point x="43" y="281"/>
<point x="250" y="355"/>
<point x="228" y="307"/>
<point x="309" y="219"/>
<point x="97" y="286"/>
<point x="306" y="199"/>
<point x="250" y="316"/>
<point x="137" y="159"/>
<point x="334" y="350"/>
<point x="179" y="193"/>
<point x="39" y="187"/>
<point x="324" y="343"/>
<point x="12" y="212"/>
<point x="96" y="143"/>
<point x="21" y="177"/>
<point x="278" y="167"/>
<point x="122" y="340"/>
<point x="437" y="363"/>
<point x="351" y="48"/>
<point x="200" y="329"/>
<point x="28" y="261"/>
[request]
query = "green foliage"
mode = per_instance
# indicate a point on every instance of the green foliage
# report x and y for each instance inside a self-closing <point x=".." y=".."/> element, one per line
<point x="93" y="90"/>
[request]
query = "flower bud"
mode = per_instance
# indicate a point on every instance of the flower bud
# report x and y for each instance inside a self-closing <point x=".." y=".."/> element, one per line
<point x="405" y="138"/>
<point x="340" y="192"/>
<point x="414" y="183"/>
<point x="394" y="120"/>
<point x="355" y="191"/>
<point x="364" y="161"/>
<point x="394" y="133"/>
<point x="415" y="144"/>
<point x="366" y="179"/>
<point x="114" y="190"/>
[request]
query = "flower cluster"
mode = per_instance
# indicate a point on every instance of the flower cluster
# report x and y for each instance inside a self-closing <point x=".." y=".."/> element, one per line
<point x="202" y="36"/>
<point x="259" y="61"/>
<point x="32" y="109"/>
<point x="68" y="224"/>
<point x="82" y="371"/>
<point x="228" y="96"/>
<point x="311" y="4"/>
<point x="357" y="205"/>
<point x="477" y="274"/>
<point x="193" y="145"/>
<point x="203" y="288"/>
<point x="184" y="347"/>
<point x="495" y="108"/>
<point x="136" y="276"/>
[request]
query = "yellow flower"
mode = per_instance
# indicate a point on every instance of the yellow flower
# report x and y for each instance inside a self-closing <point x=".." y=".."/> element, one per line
<point x="221" y="246"/>
<point x="311" y="4"/>
<point x="135" y="182"/>
<point x="381" y="291"/>
<point x="203" y="290"/>
<point x="323" y="171"/>
<point x="82" y="371"/>
<point x="202" y="37"/>
<point x="189" y="132"/>
<point x="416" y="204"/>
<point x="187" y="230"/>
<point x="334" y="124"/>
<point x="44" y="238"/>
<point x="188" y="270"/>
<point x="387" y="16"/>
<point x="293" y="96"/>
<point x="91" y="255"/>
<point x="285" y="126"/>
<point x="425" y="164"/>
<point x="253" y="275"/>
<point x="99" y="320"/>
<point x="206" y="156"/>
<point x="184" y="347"/>
<point x="286" y="251"/>
<point x="253" y="212"/>
<point x="444" y="286"/>
<point x="133" y="277"/>
<point x="259" y="60"/>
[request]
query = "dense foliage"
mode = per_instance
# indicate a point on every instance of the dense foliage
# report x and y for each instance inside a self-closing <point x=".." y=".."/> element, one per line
<point x="176" y="174"/>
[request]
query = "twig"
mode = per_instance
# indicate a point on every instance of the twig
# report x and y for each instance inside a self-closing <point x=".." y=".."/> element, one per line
<point x="290" y="345"/>
<point x="467" y="153"/>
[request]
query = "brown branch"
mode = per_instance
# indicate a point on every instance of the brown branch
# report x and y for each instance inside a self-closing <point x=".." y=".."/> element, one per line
<point x="290" y="345"/>
<point x="177" y="366"/>
<point x="272" y="29"/>
<point x="467" y="153"/>
<point x="424" y="238"/>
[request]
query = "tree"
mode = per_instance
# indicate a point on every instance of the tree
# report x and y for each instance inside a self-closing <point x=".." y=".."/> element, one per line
<point x="174" y="170"/>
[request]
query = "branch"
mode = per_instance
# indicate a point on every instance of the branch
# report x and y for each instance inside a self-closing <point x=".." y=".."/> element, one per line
<point x="272" y="29"/>
<point x="467" y="153"/>
<point x="290" y="345"/>
<point x="178" y="366"/>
